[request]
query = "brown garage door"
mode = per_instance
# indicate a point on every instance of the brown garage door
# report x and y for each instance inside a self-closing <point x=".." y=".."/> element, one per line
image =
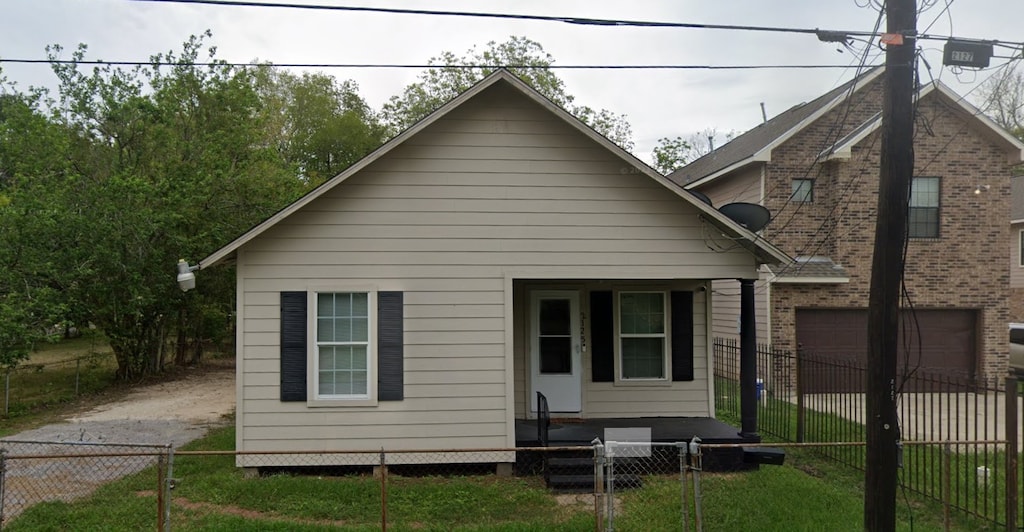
<point x="946" y="344"/>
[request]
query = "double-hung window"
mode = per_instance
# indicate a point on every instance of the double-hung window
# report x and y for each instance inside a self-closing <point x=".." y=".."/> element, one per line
<point x="642" y="339"/>
<point x="343" y="346"/>
<point x="1020" y="249"/>
<point x="924" y="208"/>
<point x="803" y="191"/>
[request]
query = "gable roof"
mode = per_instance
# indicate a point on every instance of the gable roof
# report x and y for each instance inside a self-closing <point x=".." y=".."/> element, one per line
<point x="757" y="144"/>
<point x="764" y="251"/>
<point x="843" y="148"/>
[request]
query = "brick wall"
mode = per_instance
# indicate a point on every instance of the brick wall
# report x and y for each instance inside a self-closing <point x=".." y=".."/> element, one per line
<point x="963" y="269"/>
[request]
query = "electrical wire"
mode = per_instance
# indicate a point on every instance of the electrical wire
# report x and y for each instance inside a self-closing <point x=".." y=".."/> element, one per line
<point x="476" y="14"/>
<point x="413" y="65"/>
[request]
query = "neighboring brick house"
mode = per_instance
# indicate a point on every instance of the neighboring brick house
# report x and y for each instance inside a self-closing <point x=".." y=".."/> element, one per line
<point x="1017" y="249"/>
<point x="815" y="167"/>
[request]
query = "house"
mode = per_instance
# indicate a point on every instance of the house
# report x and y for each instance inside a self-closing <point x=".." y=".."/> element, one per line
<point x="816" y="167"/>
<point x="1017" y="249"/>
<point x="496" y="249"/>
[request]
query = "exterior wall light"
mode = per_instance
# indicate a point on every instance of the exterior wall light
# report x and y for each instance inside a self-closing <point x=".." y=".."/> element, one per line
<point x="186" y="279"/>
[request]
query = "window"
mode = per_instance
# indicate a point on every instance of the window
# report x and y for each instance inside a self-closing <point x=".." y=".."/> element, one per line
<point x="803" y="191"/>
<point x="642" y="335"/>
<point x="343" y="345"/>
<point x="924" y="208"/>
<point x="1020" y="249"/>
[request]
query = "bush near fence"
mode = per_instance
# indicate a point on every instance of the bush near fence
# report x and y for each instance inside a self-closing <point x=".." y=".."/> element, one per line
<point x="947" y="422"/>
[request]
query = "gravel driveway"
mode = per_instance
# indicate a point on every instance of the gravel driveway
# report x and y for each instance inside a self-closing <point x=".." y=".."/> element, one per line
<point x="167" y="413"/>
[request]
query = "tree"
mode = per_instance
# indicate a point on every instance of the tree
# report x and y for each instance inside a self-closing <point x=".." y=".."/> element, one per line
<point x="30" y="163"/>
<point x="104" y="186"/>
<point x="525" y="58"/>
<point x="321" y="126"/>
<point x="1003" y="95"/>
<point x="672" y="154"/>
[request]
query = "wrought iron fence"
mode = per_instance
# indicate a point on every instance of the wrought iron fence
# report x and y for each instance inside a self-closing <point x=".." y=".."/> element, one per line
<point x="808" y="398"/>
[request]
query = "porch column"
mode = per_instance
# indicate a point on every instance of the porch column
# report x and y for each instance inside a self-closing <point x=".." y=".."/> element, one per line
<point x="748" y="362"/>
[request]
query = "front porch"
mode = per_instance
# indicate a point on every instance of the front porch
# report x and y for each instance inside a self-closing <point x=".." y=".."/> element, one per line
<point x="581" y="432"/>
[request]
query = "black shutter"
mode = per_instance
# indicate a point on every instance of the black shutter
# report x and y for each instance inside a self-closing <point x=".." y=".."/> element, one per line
<point x="682" y="336"/>
<point x="293" y="346"/>
<point x="390" y="347"/>
<point x="602" y="337"/>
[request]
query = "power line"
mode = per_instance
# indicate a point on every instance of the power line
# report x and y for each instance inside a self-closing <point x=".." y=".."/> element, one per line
<point x="582" y="21"/>
<point x="416" y="65"/>
<point x="545" y="18"/>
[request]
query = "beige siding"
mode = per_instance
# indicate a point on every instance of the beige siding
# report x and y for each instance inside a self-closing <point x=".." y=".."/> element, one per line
<point x="725" y="294"/>
<point x="746" y="185"/>
<point x="499" y="188"/>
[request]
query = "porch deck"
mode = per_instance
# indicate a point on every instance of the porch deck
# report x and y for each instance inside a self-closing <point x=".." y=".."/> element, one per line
<point x="663" y="429"/>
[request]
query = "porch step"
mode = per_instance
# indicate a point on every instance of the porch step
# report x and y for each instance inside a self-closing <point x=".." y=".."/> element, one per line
<point x="576" y="463"/>
<point x="573" y="472"/>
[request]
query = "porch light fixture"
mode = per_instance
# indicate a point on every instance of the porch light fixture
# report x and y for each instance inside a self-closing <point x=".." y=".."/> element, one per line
<point x="186" y="279"/>
<point x="979" y="188"/>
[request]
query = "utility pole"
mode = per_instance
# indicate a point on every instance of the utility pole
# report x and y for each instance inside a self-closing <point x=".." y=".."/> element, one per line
<point x="896" y="171"/>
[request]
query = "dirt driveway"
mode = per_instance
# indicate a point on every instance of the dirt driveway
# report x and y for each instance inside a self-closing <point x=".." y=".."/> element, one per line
<point x="172" y="413"/>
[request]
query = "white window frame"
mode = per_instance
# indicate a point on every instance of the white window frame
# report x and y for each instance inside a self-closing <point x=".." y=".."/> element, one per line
<point x="666" y="370"/>
<point x="1020" y="248"/>
<point x="937" y="207"/>
<point x="313" y="372"/>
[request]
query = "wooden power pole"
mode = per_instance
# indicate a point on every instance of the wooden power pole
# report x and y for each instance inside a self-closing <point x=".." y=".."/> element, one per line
<point x="896" y="171"/>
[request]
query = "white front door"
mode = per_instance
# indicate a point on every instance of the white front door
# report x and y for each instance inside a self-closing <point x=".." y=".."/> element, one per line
<point x="555" y="359"/>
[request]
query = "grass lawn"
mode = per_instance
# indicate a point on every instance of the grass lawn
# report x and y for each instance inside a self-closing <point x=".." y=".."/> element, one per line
<point x="56" y="373"/>
<point x="212" y="494"/>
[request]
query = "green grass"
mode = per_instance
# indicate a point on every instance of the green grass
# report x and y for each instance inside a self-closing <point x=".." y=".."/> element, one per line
<point x="923" y="473"/>
<point x="57" y="373"/>
<point x="808" y="493"/>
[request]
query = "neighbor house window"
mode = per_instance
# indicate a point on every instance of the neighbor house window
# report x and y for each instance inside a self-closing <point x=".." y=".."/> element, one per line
<point x="343" y="345"/>
<point x="1020" y="248"/>
<point x="924" y="208"/>
<point x="803" y="190"/>
<point x="642" y="335"/>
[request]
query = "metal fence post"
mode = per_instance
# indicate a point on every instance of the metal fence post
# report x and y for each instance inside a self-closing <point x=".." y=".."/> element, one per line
<point x="947" y="454"/>
<point x="800" y="418"/>
<point x="683" y="468"/>
<point x="3" y="474"/>
<point x="7" y="392"/>
<point x="610" y="489"/>
<point x="383" y="491"/>
<point x="598" y="482"/>
<point x="1011" y="453"/>
<point x="168" y="486"/>
<point x="161" y="483"/>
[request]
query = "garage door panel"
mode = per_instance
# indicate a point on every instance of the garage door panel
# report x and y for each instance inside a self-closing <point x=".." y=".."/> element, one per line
<point x="935" y="341"/>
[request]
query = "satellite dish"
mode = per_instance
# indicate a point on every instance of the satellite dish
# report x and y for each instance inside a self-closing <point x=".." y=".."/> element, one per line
<point x="701" y="196"/>
<point x="750" y="215"/>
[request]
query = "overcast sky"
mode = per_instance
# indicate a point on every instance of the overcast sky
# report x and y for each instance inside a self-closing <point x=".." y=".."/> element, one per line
<point x="658" y="103"/>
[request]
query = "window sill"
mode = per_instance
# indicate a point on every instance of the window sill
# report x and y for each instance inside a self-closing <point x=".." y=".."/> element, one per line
<point x="313" y="402"/>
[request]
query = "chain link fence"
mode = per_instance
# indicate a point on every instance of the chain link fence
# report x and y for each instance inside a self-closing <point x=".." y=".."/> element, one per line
<point x="34" y="472"/>
<point x="606" y="486"/>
